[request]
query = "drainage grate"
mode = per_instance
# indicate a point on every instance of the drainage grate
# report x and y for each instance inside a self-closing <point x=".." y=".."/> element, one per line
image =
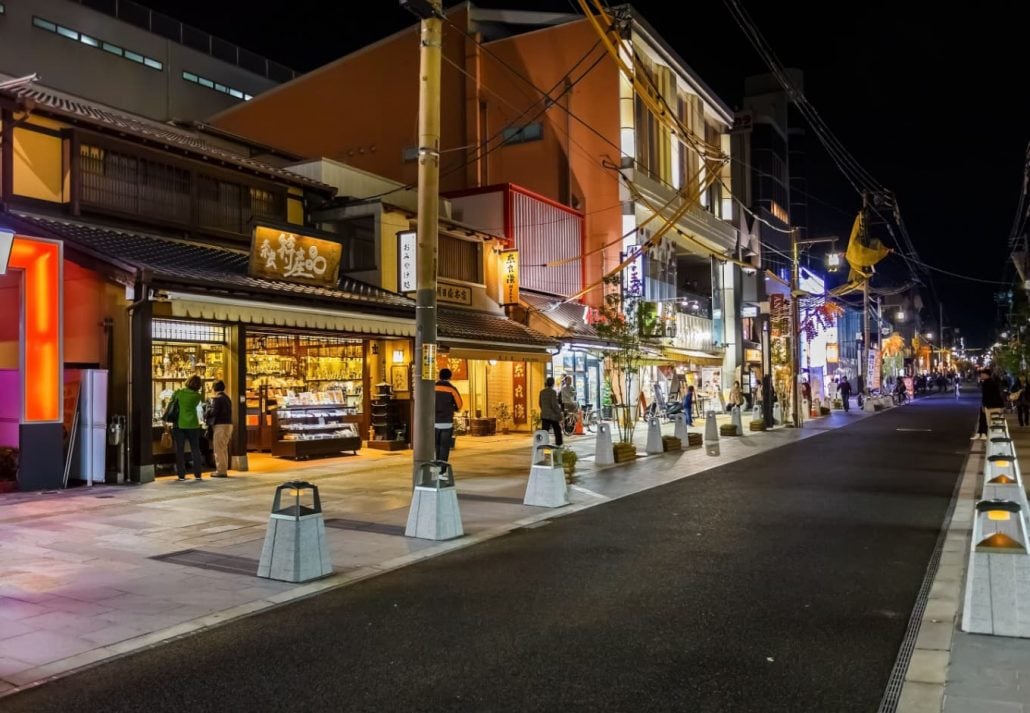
<point x="892" y="695"/>
<point x="490" y="498"/>
<point x="232" y="564"/>
<point x="379" y="528"/>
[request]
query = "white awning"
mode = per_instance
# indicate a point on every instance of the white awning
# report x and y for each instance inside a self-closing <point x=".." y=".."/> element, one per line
<point x="275" y="315"/>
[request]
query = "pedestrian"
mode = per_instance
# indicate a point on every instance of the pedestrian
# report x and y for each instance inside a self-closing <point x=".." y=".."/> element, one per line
<point x="845" y="394"/>
<point x="186" y="426"/>
<point x="991" y="402"/>
<point x="448" y="402"/>
<point x="688" y="406"/>
<point x="1022" y="400"/>
<point x="220" y="423"/>
<point x="550" y="410"/>
<point x="735" y="398"/>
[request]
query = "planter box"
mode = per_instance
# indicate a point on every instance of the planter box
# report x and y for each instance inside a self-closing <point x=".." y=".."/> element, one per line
<point x="728" y="429"/>
<point x="671" y="443"/>
<point x="695" y="440"/>
<point x="624" y="452"/>
<point x="823" y="411"/>
<point x="757" y="425"/>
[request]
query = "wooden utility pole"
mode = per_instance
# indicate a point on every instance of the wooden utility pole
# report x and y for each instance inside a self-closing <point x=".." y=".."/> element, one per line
<point x="427" y="227"/>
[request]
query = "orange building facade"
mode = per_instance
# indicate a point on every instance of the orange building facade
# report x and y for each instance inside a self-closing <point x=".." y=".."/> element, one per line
<point x="589" y="143"/>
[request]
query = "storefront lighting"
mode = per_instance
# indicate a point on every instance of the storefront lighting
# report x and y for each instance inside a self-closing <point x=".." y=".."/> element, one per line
<point x="398" y="356"/>
<point x="900" y="315"/>
<point x="833" y="262"/>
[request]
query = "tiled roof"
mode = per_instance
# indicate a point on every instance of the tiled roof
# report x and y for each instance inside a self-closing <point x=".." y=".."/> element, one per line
<point x="567" y="315"/>
<point x="76" y="109"/>
<point x="173" y="260"/>
<point x="216" y="269"/>
<point x="487" y="328"/>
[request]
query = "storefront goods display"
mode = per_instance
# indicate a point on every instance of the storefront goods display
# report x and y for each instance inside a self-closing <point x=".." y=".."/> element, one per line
<point x="303" y="431"/>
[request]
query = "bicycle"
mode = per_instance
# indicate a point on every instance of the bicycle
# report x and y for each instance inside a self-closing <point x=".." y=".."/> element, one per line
<point x="568" y="422"/>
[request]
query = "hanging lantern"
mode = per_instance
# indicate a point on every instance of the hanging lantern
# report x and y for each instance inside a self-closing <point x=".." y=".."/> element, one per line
<point x="833" y="261"/>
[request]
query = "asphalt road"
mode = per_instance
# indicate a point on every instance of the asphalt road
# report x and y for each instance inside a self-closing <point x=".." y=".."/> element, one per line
<point x="782" y="582"/>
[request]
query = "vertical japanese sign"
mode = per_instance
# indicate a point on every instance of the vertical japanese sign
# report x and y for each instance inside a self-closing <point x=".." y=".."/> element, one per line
<point x="874" y="369"/>
<point x="518" y="381"/>
<point x="429" y="362"/>
<point x="509" y="277"/>
<point x="406" y="262"/>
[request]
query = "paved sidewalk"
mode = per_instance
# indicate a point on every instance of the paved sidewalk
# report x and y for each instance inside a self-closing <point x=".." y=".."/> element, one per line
<point x="986" y="674"/>
<point x="93" y="573"/>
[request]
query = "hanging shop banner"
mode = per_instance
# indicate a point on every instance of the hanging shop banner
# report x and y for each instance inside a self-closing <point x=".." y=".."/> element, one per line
<point x="509" y="277"/>
<point x="458" y="367"/>
<point x="406" y="281"/>
<point x="832" y="353"/>
<point x="874" y="369"/>
<point x="519" y="387"/>
<point x="279" y="255"/>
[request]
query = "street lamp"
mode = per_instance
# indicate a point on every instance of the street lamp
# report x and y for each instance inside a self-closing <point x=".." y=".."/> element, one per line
<point x="900" y="315"/>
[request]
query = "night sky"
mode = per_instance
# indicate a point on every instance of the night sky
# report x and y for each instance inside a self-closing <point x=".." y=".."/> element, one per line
<point x="933" y="103"/>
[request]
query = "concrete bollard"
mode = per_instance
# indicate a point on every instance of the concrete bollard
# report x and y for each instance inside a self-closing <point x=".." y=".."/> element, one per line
<point x="295" y="548"/>
<point x="654" y="437"/>
<point x="603" y="453"/>
<point x="434" y="513"/>
<point x="777" y="414"/>
<point x="735" y="419"/>
<point x="547" y="487"/>
<point x="680" y="429"/>
<point x="711" y="434"/>
<point x="540" y="438"/>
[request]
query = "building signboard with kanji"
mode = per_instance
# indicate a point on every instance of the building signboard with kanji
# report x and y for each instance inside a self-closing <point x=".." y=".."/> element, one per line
<point x="281" y="255"/>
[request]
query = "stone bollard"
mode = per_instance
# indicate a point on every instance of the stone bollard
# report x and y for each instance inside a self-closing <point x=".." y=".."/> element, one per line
<point x="434" y="513"/>
<point x="680" y="429"/>
<point x="654" y="437"/>
<point x="711" y="434"/>
<point x="540" y="438"/>
<point x="777" y="414"/>
<point x="735" y="419"/>
<point x="603" y="453"/>
<point x="547" y="487"/>
<point x="295" y="548"/>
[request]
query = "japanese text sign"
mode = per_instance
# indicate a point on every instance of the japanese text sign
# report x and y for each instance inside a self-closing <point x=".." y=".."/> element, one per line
<point x="279" y="255"/>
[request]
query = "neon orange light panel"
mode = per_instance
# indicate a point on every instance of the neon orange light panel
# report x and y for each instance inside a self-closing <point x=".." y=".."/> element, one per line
<point x="41" y="327"/>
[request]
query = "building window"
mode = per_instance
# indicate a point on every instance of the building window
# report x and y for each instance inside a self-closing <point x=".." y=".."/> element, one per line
<point x="216" y="86"/>
<point x="460" y="259"/>
<point x="129" y="184"/>
<point x="522" y="134"/>
<point x="76" y="36"/>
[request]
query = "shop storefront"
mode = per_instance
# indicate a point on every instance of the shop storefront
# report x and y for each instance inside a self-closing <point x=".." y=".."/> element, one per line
<point x="499" y="388"/>
<point x="584" y="367"/>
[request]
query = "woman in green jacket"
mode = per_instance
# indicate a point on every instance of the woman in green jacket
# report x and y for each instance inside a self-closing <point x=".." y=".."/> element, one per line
<point x="188" y="426"/>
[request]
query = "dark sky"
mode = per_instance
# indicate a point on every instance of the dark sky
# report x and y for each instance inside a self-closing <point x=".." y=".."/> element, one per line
<point x="933" y="102"/>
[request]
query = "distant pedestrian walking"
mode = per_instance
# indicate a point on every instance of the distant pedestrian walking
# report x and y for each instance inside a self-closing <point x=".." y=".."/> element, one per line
<point x="845" y="393"/>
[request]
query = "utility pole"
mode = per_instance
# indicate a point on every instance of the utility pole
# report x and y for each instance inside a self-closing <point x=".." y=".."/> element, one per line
<point x="863" y="359"/>
<point x="427" y="226"/>
<point x="795" y="326"/>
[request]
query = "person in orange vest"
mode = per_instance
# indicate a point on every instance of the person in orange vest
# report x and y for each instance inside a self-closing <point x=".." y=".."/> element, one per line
<point x="448" y="401"/>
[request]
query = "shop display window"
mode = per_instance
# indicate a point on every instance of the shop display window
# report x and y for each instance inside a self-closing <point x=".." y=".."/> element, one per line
<point x="181" y="350"/>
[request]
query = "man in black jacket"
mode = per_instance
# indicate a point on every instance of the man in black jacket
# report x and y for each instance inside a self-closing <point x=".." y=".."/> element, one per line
<point x="448" y="400"/>
<point x="991" y="401"/>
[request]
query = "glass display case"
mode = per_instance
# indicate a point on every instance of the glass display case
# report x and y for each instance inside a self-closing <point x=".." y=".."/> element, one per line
<point x="304" y="430"/>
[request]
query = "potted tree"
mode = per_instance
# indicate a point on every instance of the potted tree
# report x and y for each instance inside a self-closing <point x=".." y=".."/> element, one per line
<point x="503" y="412"/>
<point x="617" y="324"/>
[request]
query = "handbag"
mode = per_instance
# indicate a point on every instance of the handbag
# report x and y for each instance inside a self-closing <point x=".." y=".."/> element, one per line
<point x="166" y="438"/>
<point x="171" y="414"/>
